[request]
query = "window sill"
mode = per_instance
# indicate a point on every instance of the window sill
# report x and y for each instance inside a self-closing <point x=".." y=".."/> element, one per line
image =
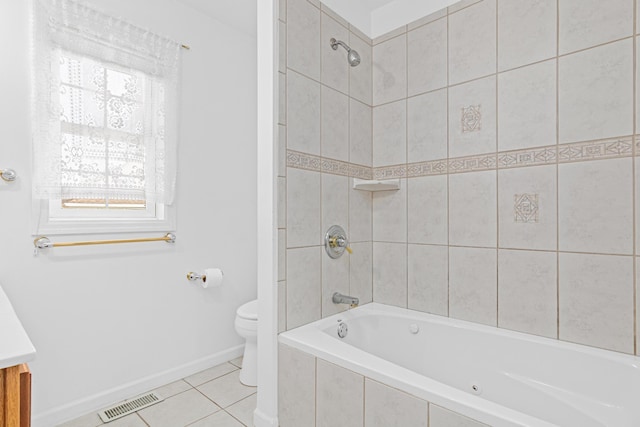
<point x="70" y="226"/>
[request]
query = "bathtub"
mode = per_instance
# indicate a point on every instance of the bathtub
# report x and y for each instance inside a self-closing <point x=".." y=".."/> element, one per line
<point x="495" y="376"/>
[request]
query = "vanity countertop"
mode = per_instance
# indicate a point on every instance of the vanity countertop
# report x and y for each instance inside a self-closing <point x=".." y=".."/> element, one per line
<point x="15" y="345"/>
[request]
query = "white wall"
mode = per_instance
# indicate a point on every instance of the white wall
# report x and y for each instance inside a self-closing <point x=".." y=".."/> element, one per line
<point x="109" y="321"/>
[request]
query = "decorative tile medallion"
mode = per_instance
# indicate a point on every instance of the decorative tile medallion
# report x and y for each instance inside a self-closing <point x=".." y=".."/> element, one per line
<point x="471" y="119"/>
<point x="525" y="208"/>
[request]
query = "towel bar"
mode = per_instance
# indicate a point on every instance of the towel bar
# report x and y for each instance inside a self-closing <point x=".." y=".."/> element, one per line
<point x="43" y="242"/>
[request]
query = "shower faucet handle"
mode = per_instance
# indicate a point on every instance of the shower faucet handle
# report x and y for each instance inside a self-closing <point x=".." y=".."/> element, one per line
<point x="340" y="242"/>
<point x="336" y="242"/>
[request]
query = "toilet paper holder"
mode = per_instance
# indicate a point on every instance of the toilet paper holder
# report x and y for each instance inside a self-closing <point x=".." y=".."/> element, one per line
<point x="194" y="277"/>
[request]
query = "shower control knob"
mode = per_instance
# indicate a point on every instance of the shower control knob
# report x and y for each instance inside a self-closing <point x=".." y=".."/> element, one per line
<point x="336" y="242"/>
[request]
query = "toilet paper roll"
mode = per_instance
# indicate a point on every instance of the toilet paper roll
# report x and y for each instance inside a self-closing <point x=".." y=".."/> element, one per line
<point x="213" y="278"/>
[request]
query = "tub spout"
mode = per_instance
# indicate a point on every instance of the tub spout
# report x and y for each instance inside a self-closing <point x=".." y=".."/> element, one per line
<point x="338" y="298"/>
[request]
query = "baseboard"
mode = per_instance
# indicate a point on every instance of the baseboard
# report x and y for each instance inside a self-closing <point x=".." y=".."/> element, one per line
<point x="98" y="401"/>
<point x="260" y="419"/>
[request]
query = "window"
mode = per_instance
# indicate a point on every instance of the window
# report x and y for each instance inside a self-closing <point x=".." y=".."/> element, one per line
<point x="105" y="112"/>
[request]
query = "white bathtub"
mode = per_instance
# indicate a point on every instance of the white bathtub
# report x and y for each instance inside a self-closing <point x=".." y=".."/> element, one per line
<point x="519" y="379"/>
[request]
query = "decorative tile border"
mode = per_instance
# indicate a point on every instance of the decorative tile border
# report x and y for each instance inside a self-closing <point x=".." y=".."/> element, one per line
<point x="304" y="161"/>
<point x="335" y="167"/>
<point x="434" y="167"/>
<point x="388" y="172"/>
<point x="591" y="150"/>
<point x="528" y="157"/>
<point x="359" y="171"/>
<point x="482" y="162"/>
<point x="311" y="162"/>
<point x="564" y="153"/>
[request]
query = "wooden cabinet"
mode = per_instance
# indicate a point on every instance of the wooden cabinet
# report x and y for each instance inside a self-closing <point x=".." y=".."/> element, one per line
<point x="15" y="396"/>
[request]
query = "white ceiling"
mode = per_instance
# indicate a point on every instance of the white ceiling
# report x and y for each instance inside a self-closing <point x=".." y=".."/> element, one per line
<point x="373" y="17"/>
<point x="240" y="14"/>
<point x="375" y="4"/>
<point x="377" y="17"/>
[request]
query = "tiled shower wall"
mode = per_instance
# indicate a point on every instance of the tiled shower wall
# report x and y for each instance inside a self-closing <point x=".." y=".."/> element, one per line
<point x="325" y="139"/>
<point x="511" y="125"/>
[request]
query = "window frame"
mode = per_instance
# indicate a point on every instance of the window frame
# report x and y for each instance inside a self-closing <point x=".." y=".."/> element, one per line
<point x="51" y="217"/>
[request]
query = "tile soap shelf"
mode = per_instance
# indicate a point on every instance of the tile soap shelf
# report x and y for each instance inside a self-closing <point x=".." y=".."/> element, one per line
<point x="376" y="184"/>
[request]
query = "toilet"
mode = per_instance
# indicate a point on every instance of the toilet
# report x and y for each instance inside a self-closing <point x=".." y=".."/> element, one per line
<point x="247" y="328"/>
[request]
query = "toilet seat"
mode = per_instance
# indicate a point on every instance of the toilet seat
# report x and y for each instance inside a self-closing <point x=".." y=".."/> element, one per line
<point x="248" y="311"/>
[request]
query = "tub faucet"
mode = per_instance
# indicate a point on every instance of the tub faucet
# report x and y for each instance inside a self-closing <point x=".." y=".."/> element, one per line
<point x="338" y="298"/>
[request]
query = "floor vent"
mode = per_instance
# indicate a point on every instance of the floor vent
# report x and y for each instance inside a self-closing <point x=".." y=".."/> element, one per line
<point x="129" y="407"/>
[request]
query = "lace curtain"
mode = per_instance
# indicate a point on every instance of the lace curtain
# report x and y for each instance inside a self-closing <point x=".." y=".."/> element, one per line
<point x="105" y="106"/>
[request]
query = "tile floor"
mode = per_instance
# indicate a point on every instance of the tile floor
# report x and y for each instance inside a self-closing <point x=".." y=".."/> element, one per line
<point x="211" y="398"/>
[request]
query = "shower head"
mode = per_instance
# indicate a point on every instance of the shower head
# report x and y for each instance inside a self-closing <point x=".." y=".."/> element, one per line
<point x="352" y="55"/>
